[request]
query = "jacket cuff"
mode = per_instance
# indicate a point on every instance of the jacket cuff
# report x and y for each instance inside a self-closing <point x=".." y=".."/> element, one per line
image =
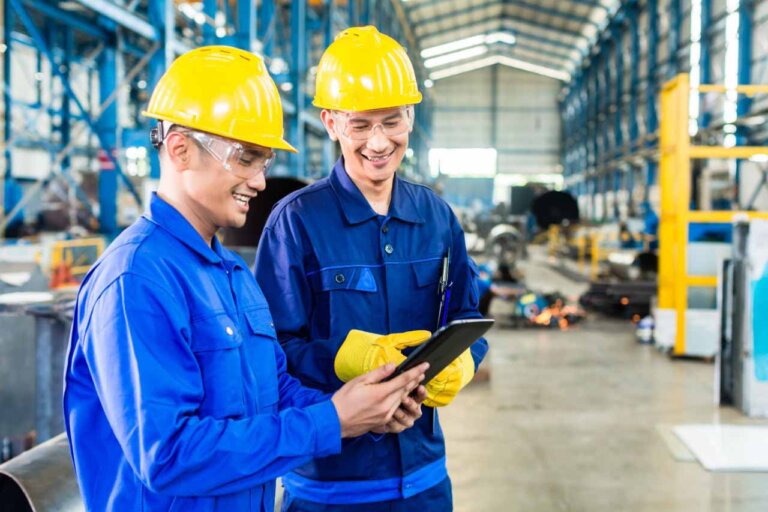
<point x="327" y="428"/>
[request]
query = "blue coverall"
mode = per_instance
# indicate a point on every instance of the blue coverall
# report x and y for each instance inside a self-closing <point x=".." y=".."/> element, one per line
<point x="327" y="263"/>
<point x="176" y="392"/>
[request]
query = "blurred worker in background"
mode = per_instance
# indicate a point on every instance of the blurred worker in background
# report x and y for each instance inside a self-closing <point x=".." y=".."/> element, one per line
<point x="352" y="267"/>
<point x="177" y="396"/>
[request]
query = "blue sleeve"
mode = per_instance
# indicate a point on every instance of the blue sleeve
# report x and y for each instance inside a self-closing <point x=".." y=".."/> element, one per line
<point x="150" y="386"/>
<point x="464" y="292"/>
<point x="292" y="392"/>
<point x="279" y="270"/>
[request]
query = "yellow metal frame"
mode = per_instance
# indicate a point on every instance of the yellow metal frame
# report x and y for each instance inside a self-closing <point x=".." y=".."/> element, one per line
<point x="62" y="252"/>
<point x="675" y="182"/>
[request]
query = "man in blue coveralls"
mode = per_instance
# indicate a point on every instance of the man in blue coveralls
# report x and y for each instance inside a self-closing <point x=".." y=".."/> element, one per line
<point x="357" y="256"/>
<point x="177" y="396"/>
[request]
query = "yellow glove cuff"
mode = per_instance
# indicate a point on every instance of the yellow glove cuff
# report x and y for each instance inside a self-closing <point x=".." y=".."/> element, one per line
<point x="363" y="351"/>
<point x="446" y="385"/>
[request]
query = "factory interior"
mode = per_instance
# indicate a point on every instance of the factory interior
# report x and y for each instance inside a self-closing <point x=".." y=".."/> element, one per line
<point x="607" y="161"/>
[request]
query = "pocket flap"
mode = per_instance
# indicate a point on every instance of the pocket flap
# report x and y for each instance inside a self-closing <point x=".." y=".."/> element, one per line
<point x="427" y="272"/>
<point x="357" y="278"/>
<point x="216" y="332"/>
<point x="260" y="322"/>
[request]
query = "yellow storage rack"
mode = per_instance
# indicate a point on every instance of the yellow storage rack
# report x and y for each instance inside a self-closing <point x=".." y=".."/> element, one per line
<point x="676" y="153"/>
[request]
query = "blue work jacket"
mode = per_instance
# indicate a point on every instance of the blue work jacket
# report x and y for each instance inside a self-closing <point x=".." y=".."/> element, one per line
<point x="176" y="392"/>
<point x="327" y="263"/>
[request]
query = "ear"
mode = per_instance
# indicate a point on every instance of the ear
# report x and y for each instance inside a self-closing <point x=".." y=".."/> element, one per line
<point x="178" y="149"/>
<point x="330" y="124"/>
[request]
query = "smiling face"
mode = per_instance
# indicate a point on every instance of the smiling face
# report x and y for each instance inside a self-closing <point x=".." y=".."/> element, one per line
<point x="204" y="191"/>
<point x="373" y="143"/>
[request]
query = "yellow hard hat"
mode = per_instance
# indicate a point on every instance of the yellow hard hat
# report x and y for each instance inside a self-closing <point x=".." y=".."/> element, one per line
<point x="364" y="69"/>
<point x="224" y="91"/>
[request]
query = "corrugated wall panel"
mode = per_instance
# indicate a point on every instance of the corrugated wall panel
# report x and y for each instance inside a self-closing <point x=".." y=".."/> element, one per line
<point x="524" y="117"/>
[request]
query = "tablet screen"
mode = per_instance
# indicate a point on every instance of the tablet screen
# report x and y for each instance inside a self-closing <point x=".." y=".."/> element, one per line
<point x="445" y="345"/>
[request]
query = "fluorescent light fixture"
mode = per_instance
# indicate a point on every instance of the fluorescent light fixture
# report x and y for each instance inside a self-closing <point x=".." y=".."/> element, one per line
<point x="468" y="42"/>
<point x="500" y="59"/>
<point x="500" y="37"/>
<point x="428" y="83"/>
<point x="760" y="158"/>
<point x="453" y="46"/>
<point x="448" y="58"/>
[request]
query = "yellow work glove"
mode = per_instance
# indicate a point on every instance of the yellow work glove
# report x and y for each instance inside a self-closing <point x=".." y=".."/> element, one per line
<point x="363" y="351"/>
<point x="446" y="385"/>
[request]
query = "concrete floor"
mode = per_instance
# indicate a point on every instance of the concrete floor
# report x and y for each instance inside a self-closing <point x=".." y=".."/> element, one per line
<point x="569" y="421"/>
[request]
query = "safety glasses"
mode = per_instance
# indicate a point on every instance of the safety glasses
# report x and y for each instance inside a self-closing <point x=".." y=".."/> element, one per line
<point x="362" y="126"/>
<point x="241" y="160"/>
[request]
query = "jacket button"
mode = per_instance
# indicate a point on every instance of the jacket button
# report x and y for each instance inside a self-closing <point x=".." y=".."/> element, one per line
<point x="339" y="278"/>
<point x="230" y="331"/>
<point x="385" y="228"/>
<point x="389" y="249"/>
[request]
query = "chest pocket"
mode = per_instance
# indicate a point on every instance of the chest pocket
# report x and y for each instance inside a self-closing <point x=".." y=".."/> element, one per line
<point x="423" y="300"/>
<point x="427" y="273"/>
<point x="337" y="293"/>
<point x="216" y="342"/>
<point x="261" y="350"/>
<point x="358" y="279"/>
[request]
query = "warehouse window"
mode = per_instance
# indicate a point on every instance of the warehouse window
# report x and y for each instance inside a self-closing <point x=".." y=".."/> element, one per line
<point x="463" y="162"/>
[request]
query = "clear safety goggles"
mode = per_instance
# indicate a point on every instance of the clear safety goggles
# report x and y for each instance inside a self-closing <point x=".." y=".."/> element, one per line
<point x="239" y="159"/>
<point x="359" y="126"/>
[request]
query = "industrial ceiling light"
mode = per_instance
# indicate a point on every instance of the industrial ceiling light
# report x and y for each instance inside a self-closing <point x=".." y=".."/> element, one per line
<point x="499" y="59"/>
<point x="448" y="58"/>
<point x="468" y="42"/>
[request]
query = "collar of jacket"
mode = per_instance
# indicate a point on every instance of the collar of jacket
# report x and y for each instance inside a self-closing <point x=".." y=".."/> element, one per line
<point x="356" y="207"/>
<point x="168" y="218"/>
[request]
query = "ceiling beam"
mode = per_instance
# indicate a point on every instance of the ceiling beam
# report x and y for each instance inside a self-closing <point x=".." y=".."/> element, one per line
<point x="423" y="34"/>
<point x="503" y="24"/>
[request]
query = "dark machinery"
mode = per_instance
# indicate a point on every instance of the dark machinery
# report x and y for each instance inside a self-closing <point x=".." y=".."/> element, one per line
<point x="555" y="208"/>
<point x="258" y="211"/>
<point x="625" y="299"/>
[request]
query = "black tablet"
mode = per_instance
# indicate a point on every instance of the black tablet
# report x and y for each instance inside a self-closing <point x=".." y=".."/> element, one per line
<point x="445" y="345"/>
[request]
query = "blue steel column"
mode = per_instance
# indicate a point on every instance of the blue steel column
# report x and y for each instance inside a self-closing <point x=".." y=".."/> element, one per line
<point x="10" y="187"/>
<point x="64" y="124"/>
<point x="617" y="178"/>
<point x="328" y="36"/>
<point x="365" y="15"/>
<point x="743" y="104"/>
<point x="651" y="121"/>
<point x="298" y="74"/>
<point x="265" y="25"/>
<point x="618" y="47"/>
<point x="209" y="32"/>
<point x="634" y="72"/>
<point x="107" y="127"/>
<point x="607" y="98"/>
<point x="245" y="33"/>
<point x="352" y="12"/>
<point x="673" y="37"/>
<point x="161" y="16"/>
<point x="705" y="63"/>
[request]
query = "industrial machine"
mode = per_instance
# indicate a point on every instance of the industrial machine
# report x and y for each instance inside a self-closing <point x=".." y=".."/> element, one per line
<point x="742" y="363"/>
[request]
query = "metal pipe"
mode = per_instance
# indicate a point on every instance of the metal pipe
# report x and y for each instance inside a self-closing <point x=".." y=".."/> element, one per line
<point x="41" y="480"/>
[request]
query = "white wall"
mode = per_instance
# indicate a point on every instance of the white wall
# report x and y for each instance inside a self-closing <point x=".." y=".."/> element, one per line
<point x="512" y="111"/>
<point x="524" y="115"/>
